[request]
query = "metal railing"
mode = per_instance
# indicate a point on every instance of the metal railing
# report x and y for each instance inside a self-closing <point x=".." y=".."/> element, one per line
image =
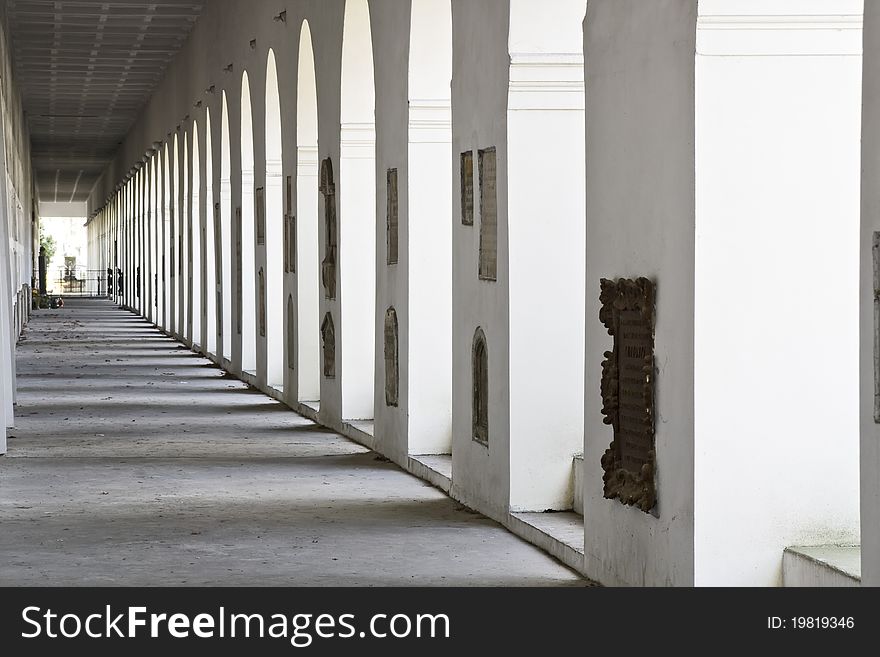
<point x="80" y="282"/>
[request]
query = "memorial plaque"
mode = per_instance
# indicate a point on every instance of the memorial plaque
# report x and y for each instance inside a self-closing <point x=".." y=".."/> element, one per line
<point x="467" y="188"/>
<point x="488" y="216"/>
<point x="328" y="265"/>
<point x="239" y="270"/>
<point x="328" y="346"/>
<point x="875" y="257"/>
<point x="627" y="387"/>
<point x="261" y="286"/>
<point x="260" y="212"/>
<point x="392" y="385"/>
<point x="391" y="221"/>
<point x="291" y="334"/>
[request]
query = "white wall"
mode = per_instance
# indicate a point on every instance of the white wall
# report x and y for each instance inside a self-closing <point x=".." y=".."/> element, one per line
<point x="776" y="336"/>
<point x="639" y="60"/>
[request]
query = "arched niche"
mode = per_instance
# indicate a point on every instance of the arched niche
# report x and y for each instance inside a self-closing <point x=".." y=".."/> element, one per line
<point x="308" y="278"/>
<point x="480" y="388"/>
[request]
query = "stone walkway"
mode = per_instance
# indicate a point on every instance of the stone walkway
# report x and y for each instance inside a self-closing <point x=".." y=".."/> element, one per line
<point x="136" y="462"/>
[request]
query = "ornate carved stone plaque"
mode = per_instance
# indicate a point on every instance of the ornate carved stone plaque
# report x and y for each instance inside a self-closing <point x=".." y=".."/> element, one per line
<point x="627" y="312"/>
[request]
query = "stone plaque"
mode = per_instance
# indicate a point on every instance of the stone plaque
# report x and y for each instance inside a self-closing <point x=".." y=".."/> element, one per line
<point x="239" y="270"/>
<point x="391" y="221"/>
<point x="291" y="334"/>
<point x="627" y="312"/>
<point x="392" y="368"/>
<point x="467" y="188"/>
<point x="328" y="265"/>
<point x="875" y="257"/>
<point x="488" y="216"/>
<point x="260" y="213"/>
<point x="261" y="286"/>
<point x="328" y="346"/>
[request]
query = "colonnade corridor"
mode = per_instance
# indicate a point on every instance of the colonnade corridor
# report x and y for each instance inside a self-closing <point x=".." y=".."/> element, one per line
<point x="136" y="462"/>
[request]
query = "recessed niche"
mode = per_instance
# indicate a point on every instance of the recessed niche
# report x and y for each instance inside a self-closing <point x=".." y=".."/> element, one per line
<point x="480" y="388"/>
<point x="328" y="346"/>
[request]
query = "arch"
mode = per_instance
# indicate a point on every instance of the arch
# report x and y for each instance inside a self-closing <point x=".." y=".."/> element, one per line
<point x="308" y="335"/>
<point x="167" y="242"/>
<point x="427" y="251"/>
<point x="392" y="367"/>
<point x="247" y="302"/>
<point x="197" y="239"/>
<point x="274" y="229"/>
<point x="175" y="239"/>
<point x="356" y="203"/>
<point x="480" y="387"/>
<point x="185" y="243"/>
<point x="212" y="232"/>
<point x="226" y="245"/>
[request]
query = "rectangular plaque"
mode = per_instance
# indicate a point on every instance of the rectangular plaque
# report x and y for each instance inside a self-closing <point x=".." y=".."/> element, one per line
<point x="260" y="212"/>
<point x="239" y="270"/>
<point x="391" y="220"/>
<point x="488" y="216"/>
<point x="467" y="188"/>
<point x="875" y="258"/>
<point x="627" y="388"/>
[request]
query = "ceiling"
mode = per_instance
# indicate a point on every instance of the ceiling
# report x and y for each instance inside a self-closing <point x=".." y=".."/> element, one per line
<point x="85" y="70"/>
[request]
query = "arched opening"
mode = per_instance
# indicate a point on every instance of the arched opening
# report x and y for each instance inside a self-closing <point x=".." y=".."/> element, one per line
<point x="308" y="335"/>
<point x="165" y="264"/>
<point x="212" y="233"/>
<point x="480" y="388"/>
<point x="197" y="232"/>
<point x="356" y="202"/>
<point x="274" y="225"/>
<point x="176" y="241"/>
<point x="428" y="251"/>
<point x="226" y="246"/>
<point x="540" y="247"/>
<point x="247" y="307"/>
<point x="186" y="227"/>
<point x="154" y="239"/>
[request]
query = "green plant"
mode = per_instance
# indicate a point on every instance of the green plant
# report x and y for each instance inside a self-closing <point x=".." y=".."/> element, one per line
<point x="47" y="243"/>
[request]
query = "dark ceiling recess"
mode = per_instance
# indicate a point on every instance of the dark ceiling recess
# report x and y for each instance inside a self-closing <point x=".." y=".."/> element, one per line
<point x="86" y="70"/>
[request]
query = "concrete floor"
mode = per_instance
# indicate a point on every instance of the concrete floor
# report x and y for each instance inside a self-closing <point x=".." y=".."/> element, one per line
<point x="136" y="462"/>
